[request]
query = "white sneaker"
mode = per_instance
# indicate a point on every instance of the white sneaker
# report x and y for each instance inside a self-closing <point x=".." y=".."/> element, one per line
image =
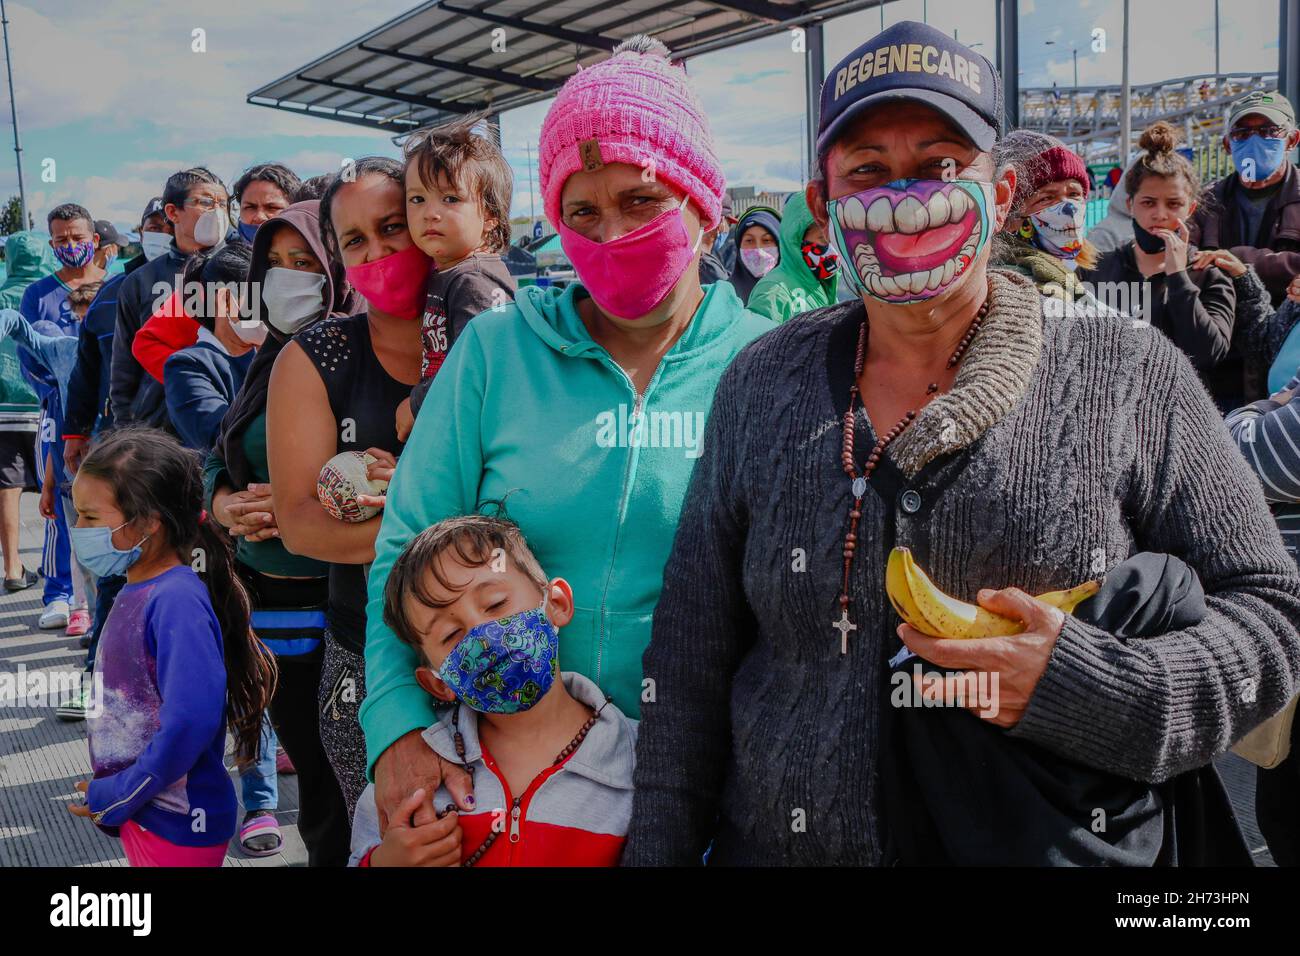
<point x="54" y="616"/>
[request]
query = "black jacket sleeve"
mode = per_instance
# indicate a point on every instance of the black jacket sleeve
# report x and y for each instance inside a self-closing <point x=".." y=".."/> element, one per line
<point x="124" y="377"/>
<point x="83" y="386"/>
<point x="1201" y="317"/>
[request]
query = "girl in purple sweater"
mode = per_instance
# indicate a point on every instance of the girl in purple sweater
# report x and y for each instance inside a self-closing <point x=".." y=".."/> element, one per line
<point x="176" y="658"/>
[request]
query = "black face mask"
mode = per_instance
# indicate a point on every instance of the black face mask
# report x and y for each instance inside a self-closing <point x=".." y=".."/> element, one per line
<point x="1147" y="242"/>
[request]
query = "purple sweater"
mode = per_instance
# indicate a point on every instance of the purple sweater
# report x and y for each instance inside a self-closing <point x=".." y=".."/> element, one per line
<point x="157" y="748"/>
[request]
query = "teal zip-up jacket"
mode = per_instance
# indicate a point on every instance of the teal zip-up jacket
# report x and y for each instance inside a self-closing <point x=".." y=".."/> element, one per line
<point x="530" y="406"/>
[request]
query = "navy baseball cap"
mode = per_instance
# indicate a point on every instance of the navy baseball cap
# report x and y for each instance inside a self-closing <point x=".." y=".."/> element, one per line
<point x="156" y="207"/>
<point x="914" y="61"/>
<point x="108" y="233"/>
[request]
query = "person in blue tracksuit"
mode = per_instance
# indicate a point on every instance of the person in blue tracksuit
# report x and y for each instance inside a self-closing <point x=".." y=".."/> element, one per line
<point x="45" y="306"/>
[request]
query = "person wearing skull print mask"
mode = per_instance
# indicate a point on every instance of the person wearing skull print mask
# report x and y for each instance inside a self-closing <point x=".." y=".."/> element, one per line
<point x="1043" y="237"/>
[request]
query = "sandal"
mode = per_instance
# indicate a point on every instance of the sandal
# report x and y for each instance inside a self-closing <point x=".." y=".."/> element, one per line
<point x="260" y="834"/>
<point x="283" y="765"/>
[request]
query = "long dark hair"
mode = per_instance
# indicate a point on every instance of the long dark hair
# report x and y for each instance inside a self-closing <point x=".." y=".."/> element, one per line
<point x="152" y="475"/>
<point x="363" y="167"/>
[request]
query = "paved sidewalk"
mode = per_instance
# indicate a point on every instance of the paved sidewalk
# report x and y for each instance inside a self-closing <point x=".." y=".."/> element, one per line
<point x="42" y="757"/>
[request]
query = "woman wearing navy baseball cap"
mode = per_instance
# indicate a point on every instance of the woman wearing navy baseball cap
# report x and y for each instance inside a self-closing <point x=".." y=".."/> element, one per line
<point x="1013" y="450"/>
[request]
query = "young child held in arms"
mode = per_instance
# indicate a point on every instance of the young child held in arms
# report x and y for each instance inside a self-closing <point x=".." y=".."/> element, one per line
<point x="175" y="649"/>
<point x="550" y="760"/>
<point x="458" y="188"/>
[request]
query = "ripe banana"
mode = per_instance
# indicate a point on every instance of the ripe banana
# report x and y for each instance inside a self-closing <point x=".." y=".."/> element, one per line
<point x="921" y="604"/>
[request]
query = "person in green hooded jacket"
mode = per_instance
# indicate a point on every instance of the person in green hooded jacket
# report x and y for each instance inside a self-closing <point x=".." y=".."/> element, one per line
<point x="807" y="277"/>
<point x="28" y="257"/>
<point x="583" y="408"/>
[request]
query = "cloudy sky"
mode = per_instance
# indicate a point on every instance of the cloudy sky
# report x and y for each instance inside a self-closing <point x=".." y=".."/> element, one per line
<point x="111" y="98"/>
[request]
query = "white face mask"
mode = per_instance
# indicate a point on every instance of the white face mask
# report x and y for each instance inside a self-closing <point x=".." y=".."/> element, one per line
<point x="254" y="333"/>
<point x="292" y="297"/>
<point x="155" y="244"/>
<point x="211" y="228"/>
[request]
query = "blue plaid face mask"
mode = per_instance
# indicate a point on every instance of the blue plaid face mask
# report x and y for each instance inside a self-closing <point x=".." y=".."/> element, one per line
<point x="505" y="666"/>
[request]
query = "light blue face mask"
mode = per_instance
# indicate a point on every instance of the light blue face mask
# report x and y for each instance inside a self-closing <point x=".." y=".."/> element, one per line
<point x="95" y="550"/>
<point x="1258" y="158"/>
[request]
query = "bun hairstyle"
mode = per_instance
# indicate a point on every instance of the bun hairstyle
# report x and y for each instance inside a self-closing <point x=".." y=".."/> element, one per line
<point x="1158" y="158"/>
<point x="639" y="108"/>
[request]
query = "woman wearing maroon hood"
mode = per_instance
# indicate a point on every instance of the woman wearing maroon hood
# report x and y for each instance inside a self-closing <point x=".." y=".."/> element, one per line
<point x="297" y="285"/>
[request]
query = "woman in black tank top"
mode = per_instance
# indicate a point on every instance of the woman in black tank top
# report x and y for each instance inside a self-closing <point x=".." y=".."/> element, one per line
<point x="336" y="387"/>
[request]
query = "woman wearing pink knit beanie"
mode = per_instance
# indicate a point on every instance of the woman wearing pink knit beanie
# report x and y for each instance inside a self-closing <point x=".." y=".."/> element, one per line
<point x="585" y="406"/>
<point x="631" y="183"/>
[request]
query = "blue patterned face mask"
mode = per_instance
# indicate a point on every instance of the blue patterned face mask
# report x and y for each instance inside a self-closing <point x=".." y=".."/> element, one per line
<point x="77" y="255"/>
<point x="504" y="666"/>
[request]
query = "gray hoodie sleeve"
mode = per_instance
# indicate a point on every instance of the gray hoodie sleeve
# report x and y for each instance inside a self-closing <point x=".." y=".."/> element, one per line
<point x="365" y="826"/>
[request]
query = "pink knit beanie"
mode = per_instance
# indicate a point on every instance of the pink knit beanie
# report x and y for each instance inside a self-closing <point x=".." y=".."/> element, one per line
<point x="636" y="108"/>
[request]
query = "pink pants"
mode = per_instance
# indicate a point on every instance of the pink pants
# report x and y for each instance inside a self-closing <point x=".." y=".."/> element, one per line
<point x="149" y="849"/>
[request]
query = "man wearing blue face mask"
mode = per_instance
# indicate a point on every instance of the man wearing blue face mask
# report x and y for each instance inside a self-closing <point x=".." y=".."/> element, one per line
<point x="263" y="192"/>
<point x="1255" y="212"/>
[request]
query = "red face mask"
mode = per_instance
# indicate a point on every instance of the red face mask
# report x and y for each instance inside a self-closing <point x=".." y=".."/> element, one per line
<point x="394" y="284"/>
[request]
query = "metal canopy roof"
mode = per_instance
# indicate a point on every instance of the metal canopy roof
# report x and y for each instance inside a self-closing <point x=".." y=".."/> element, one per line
<point x="438" y="61"/>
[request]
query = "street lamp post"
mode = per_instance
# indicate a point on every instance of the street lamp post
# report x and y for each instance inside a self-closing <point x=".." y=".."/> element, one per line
<point x="13" y="109"/>
<point x="1074" y="91"/>
<point x="1125" y="105"/>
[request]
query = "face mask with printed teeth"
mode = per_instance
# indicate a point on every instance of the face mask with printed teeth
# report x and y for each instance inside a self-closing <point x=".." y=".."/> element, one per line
<point x="911" y="239"/>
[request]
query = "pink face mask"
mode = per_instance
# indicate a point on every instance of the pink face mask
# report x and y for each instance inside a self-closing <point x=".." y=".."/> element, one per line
<point x="632" y="274"/>
<point x="394" y="284"/>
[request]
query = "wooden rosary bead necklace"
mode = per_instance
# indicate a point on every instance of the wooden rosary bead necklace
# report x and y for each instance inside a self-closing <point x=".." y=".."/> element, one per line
<point x="844" y="624"/>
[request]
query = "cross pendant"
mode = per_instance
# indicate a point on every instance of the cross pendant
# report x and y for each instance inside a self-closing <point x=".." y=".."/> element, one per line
<point x="844" y="625"/>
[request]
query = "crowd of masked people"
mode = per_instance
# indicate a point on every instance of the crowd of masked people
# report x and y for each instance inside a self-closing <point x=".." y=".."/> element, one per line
<point x="216" y="433"/>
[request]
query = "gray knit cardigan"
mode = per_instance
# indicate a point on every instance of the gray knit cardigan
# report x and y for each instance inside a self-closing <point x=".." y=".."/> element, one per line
<point x="1065" y="445"/>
